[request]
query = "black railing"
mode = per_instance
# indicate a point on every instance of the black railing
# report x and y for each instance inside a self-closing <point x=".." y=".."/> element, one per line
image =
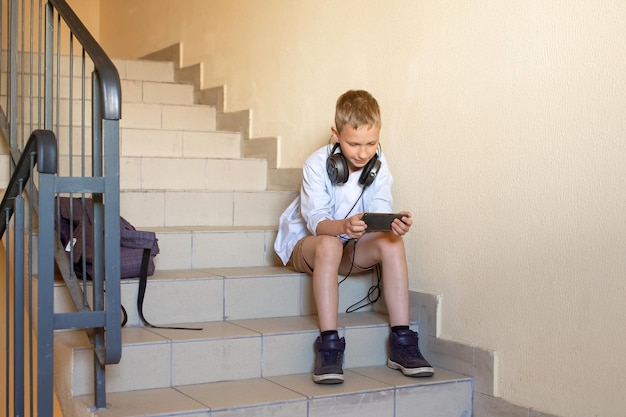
<point x="58" y="87"/>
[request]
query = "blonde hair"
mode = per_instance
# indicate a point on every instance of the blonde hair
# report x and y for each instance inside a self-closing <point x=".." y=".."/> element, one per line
<point x="357" y="108"/>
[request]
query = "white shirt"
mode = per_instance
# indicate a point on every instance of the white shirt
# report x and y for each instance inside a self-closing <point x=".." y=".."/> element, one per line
<point x="320" y="200"/>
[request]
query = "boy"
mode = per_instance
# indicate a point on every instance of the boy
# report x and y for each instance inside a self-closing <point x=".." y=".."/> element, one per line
<point x="321" y="233"/>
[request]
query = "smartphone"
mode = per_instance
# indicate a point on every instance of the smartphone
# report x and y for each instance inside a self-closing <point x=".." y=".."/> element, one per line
<point x="380" y="222"/>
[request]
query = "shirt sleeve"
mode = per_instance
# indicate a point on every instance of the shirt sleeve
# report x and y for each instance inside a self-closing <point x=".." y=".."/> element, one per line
<point x="316" y="193"/>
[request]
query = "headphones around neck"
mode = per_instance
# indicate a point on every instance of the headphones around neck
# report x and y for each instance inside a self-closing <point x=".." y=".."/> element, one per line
<point x="338" y="171"/>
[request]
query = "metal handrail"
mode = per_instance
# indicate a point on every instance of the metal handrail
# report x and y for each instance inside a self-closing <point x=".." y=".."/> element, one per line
<point x="42" y="147"/>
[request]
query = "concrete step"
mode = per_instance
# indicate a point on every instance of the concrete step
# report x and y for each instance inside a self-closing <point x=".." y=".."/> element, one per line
<point x="144" y="70"/>
<point x="220" y="351"/>
<point x="234" y="293"/>
<point x="158" y="173"/>
<point x="163" y="208"/>
<point x="177" y="143"/>
<point x="136" y="115"/>
<point x="154" y="142"/>
<point x="192" y="117"/>
<point x="128" y="69"/>
<point x="180" y="173"/>
<point x="134" y="91"/>
<point x="228" y="242"/>
<point x="374" y="391"/>
<point x="140" y="91"/>
<point x="215" y="247"/>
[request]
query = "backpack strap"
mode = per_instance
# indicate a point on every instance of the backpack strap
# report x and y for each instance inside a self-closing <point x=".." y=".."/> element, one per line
<point x="143" y="281"/>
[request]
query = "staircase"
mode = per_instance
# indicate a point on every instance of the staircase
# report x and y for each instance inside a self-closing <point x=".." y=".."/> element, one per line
<point x="215" y="214"/>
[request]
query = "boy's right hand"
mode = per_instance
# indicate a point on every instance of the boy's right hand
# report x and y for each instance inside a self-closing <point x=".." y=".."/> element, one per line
<point x="355" y="227"/>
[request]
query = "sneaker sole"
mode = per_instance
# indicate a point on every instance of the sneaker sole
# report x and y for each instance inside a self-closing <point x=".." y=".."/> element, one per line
<point x="328" y="379"/>
<point x="424" y="371"/>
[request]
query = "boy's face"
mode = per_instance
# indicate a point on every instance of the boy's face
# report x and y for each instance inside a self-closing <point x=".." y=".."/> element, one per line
<point x="358" y="145"/>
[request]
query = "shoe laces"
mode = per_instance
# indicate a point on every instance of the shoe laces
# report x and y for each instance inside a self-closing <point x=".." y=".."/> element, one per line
<point x="412" y="351"/>
<point x="331" y="356"/>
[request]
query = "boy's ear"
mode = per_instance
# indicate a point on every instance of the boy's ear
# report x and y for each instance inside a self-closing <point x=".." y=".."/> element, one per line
<point x="334" y="132"/>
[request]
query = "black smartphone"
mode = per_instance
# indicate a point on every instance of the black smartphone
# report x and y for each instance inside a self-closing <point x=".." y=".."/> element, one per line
<point x="380" y="222"/>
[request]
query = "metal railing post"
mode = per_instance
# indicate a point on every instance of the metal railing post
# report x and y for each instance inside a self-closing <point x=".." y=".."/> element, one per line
<point x="45" y="311"/>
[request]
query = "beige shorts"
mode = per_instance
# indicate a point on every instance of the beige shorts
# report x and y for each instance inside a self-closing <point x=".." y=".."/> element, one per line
<point x="299" y="264"/>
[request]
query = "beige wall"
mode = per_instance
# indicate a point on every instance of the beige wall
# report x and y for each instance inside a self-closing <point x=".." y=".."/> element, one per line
<point x="89" y="12"/>
<point x="505" y="122"/>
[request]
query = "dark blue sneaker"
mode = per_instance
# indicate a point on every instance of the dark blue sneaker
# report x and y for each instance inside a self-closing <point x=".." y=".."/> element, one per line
<point x="405" y="355"/>
<point x="329" y="360"/>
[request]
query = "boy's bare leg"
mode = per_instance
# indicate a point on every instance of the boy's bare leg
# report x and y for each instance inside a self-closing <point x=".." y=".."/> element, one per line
<point x="388" y="249"/>
<point x="323" y="254"/>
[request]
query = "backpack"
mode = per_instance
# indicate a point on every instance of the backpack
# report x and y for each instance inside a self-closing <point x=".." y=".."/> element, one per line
<point x="70" y="220"/>
<point x="74" y="224"/>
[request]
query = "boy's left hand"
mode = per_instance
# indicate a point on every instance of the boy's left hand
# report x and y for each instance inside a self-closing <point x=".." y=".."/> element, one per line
<point x="402" y="227"/>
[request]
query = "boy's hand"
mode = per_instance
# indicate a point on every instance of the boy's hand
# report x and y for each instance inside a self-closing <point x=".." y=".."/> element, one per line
<point x="355" y="227"/>
<point x="402" y="227"/>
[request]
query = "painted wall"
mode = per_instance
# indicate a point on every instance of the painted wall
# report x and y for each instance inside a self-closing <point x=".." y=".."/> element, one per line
<point x="505" y="122"/>
<point x="89" y="13"/>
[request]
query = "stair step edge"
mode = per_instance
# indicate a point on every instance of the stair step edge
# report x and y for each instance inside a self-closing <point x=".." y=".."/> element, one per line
<point x="236" y="329"/>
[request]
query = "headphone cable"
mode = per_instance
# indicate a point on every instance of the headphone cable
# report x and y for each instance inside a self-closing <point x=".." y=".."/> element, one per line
<point x="355" y="203"/>
<point x="374" y="292"/>
<point x="373" y="289"/>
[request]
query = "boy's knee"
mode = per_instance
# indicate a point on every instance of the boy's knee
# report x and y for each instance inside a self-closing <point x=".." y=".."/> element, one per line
<point x="394" y="241"/>
<point x="328" y="247"/>
<point x="330" y="242"/>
